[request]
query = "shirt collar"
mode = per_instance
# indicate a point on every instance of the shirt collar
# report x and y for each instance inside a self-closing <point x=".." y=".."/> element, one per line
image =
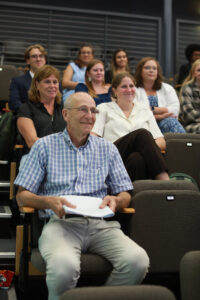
<point x="69" y="141"/>
<point x="31" y="73"/>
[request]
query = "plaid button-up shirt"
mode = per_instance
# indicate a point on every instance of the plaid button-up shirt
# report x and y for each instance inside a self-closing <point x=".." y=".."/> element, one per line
<point x="56" y="167"/>
<point x="190" y="108"/>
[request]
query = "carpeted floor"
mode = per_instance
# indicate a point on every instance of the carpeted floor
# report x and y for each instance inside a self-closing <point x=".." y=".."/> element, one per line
<point x="3" y="295"/>
<point x="8" y="294"/>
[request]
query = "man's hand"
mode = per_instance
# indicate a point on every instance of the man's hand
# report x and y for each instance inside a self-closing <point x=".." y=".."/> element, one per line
<point x="110" y="201"/>
<point x="116" y="202"/>
<point x="27" y="198"/>
<point x="56" y="204"/>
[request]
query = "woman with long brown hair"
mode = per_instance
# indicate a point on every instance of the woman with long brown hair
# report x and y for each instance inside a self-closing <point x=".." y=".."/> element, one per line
<point x="119" y="64"/>
<point x="95" y="84"/>
<point x="75" y="71"/>
<point x="160" y="96"/>
<point x="131" y="126"/>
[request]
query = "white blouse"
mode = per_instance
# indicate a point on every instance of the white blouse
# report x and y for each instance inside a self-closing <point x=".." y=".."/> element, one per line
<point x="167" y="97"/>
<point x="111" y="122"/>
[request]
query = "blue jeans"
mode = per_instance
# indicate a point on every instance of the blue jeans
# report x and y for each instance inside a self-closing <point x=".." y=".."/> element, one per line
<point x="170" y="125"/>
<point x="63" y="240"/>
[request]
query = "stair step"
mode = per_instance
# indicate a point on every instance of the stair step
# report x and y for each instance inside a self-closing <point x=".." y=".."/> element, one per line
<point x="7" y="248"/>
<point x="4" y="183"/>
<point x="7" y="255"/>
<point x="5" y="212"/>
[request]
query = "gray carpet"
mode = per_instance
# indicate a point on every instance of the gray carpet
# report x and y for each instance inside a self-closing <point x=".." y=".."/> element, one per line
<point x="3" y="295"/>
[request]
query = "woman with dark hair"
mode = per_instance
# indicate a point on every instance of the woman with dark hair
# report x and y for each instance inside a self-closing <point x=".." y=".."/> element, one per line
<point x="75" y="71"/>
<point x="42" y="114"/>
<point x="95" y="84"/>
<point x="160" y="96"/>
<point x="131" y="126"/>
<point x="119" y="64"/>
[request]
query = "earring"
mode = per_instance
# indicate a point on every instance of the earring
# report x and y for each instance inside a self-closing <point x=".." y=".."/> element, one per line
<point x="89" y="79"/>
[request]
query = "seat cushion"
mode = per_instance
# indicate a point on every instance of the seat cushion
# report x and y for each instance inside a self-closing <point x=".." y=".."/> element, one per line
<point x="91" y="264"/>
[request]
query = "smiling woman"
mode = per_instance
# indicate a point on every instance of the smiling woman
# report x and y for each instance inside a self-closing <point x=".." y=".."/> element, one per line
<point x="42" y="114"/>
<point x="132" y="128"/>
<point x="94" y="83"/>
<point x="119" y="64"/>
<point x="161" y="97"/>
<point x="75" y="71"/>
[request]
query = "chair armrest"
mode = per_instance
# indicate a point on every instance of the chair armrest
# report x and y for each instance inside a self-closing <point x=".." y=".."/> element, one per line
<point x="16" y="147"/>
<point x="127" y="210"/>
<point x="26" y="209"/>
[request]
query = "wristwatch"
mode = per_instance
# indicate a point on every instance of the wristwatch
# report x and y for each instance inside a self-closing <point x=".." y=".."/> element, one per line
<point x="152" y="108"/>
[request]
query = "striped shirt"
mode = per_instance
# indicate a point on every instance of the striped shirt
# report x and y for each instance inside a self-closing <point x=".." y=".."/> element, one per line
<point x="56" y="167"/>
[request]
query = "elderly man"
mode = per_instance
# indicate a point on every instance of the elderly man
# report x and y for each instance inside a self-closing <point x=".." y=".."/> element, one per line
<point x="73" y="162"/>
<point x="35" y="57"/>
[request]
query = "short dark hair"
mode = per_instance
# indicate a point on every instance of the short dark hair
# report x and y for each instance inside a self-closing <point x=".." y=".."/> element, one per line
<point x="190" y="49"/>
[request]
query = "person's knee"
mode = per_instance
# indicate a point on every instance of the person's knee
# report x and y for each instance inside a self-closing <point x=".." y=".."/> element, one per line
<point x="137" y="264"/>
<point x="136" y="167"/>
<point x="143" y="136"/>
<point x="62" y="272"/>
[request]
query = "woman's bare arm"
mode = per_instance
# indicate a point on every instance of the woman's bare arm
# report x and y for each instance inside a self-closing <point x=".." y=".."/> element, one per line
<point x="27" y="129"/>
<point x="67" y="79"/>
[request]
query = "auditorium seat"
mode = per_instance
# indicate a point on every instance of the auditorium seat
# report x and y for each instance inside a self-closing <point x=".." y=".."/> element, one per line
<point x="138" y="292"/>
<point x="190" y="275"/>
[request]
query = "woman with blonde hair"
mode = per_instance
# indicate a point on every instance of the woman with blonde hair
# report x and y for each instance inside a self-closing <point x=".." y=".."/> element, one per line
<point x="190" y="100"/>
<point x="160" y="96"/>
<point x="95" y="84"/>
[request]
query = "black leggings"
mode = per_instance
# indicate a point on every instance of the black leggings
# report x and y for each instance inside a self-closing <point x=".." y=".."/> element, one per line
<point x="141" y="155"/>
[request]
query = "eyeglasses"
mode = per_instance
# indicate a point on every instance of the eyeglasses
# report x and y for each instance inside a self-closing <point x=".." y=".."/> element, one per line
<point x="86" y="52"/>
<point x="149" y="68"/>
<point x="37" y="56"/>
<point x="85" y="110"/>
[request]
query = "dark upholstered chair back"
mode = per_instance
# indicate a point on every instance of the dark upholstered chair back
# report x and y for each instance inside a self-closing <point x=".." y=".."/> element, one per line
<point x="143" y="185"/>
<point x="166" y="224"/>
<point x="7" y="72"/>
<point x="190" y="276"/>
<point x="183" y="155"/>
<point x="186" y="136"/>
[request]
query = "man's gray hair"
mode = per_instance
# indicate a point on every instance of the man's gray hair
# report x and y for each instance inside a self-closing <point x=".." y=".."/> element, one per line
<point x="68" y="102"/>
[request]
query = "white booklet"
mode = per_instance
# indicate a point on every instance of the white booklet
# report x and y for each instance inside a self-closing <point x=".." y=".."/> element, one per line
<point x="87" y="206"/>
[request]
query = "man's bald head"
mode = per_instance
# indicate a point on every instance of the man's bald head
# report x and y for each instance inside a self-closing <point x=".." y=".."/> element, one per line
<point x="77" y="99"/>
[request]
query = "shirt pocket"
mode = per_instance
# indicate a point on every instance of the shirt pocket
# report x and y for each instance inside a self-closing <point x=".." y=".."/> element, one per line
<point x="93" y="178"/>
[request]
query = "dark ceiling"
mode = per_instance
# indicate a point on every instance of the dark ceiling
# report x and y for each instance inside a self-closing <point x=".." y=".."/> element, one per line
<point x="181" y="8"/>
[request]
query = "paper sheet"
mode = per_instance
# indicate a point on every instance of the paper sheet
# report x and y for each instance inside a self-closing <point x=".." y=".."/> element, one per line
<point x="87" y="206"/>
